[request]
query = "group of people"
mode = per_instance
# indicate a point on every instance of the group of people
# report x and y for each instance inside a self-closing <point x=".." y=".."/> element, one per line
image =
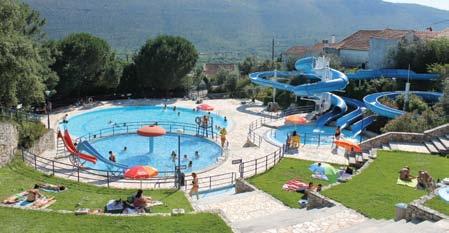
<point x="309" y="188"/>
<point x="424" y="179"/>
<point x="174" y="156"/>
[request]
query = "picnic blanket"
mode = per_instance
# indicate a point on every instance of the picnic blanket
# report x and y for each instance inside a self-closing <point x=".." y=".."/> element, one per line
<point x="411" y="183"/>
<point x="294" y="185"/>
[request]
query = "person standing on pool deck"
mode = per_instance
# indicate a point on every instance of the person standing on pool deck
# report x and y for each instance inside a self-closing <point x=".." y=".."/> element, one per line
<point x="195" y="186"/>
<point x="223" y="133"/>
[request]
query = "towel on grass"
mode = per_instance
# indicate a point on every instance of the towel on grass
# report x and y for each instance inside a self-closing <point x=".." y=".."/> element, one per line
<point x="294" y="185"/>
<point x="411" y="183"/>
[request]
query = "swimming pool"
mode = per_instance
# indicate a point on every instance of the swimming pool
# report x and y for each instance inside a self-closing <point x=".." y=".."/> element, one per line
<point x="92" y="121"/>
<point x="310" y="134"/>
<point x="137" y="152"/>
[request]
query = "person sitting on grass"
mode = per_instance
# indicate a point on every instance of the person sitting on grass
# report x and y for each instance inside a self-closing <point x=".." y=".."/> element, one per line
<point x="33" y="195"/>
<point x="404" y="174"/>
<point x="425" y="181"/>
<point x="51" y="187"/>
<point x="139" y="201"/>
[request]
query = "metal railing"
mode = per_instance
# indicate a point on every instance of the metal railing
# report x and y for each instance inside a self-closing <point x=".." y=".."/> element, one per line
<point x="317" y="139"/>
<point x="107" y="178"/>
<point x="260" y="165"/>
<point x="256" y="139"/>
<point x="19" y="114"/>
<point x="132" y="127"/>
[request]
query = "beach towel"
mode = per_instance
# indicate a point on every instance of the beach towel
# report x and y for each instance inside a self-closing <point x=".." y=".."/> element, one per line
<point x="19" y="200"/>
<point x="294" y="185"/>
<point x="411" y="183"/>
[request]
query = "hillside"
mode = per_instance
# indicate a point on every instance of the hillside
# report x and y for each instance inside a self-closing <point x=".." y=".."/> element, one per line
<point x="243" y="27"/>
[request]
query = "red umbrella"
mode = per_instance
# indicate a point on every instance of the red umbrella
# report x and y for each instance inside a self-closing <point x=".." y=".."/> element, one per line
<point x="141" y="172"/>
<point x="205" y="107"/>
<point x="296" y="120"/>
<point x="349" y="145"/>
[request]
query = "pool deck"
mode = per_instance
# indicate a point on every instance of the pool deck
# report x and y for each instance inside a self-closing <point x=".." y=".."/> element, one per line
<point x="239" y="116"/>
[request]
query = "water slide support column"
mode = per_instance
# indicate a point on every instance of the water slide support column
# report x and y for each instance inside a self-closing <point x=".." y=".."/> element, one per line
<point x="274" y="89"/>
<point x="407" y="89"/>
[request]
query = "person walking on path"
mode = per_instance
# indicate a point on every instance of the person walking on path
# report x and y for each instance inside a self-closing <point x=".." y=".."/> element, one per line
<point x="195" y="186"/>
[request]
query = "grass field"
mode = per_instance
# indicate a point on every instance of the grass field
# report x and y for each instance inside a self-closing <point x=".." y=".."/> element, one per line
<point x="271" y="182"/>
<point x="16" y="220"/>
<point x="17" y="177"/>
<point x="438" y="204"/>
<point x="375" y="192"/>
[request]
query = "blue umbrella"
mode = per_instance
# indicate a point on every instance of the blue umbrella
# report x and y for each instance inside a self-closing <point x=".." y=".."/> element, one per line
<point x="316" y="169"/>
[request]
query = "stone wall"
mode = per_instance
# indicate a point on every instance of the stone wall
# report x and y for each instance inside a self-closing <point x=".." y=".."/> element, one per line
<point x="316" y="200"/>
<point x="241" y="186"/>
<point x="385" y="138"/>
<point x="9" y="139"/>
<point x="46" y="142"/>
<point x="417" y="210"/>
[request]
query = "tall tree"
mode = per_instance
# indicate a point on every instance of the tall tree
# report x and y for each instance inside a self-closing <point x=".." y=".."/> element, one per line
<point x="24" y="61"/>
<point x="162" y="63"/>
<point x="86" y="65"/>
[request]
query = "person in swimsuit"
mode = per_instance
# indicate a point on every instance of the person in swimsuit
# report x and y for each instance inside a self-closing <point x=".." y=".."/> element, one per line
<point x="195" y="186"/>
<point x="223" y="134"/>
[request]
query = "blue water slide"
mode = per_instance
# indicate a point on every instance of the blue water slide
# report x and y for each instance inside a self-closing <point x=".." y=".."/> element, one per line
<point x="349" y="118"/>
<point x="360" y="125"/>
<point x="372" y="102"/>
<point x="87" y="147"/>
<point x="307" y="67"/>
<point x="390" y="73"/>
<point x="339" y="109"/>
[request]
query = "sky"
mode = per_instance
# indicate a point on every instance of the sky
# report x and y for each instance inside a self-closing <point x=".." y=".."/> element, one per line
<point x="441" y="4"/>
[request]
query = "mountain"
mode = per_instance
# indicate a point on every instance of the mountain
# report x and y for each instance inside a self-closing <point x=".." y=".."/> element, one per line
<point x="242" y="27"/>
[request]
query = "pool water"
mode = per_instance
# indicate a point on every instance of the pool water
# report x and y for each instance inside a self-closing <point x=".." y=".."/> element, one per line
<point x="137" y="152"/>
<point x="310" y="134"/>
<point x="92" y="121"/>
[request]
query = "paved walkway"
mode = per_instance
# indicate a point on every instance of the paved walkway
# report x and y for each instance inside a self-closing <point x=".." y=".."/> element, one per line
<point x="259" y="212"/>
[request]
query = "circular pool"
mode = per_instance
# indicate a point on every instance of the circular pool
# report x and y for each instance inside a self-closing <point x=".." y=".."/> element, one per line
<point x="113" y="129"/>
<point x="137" y="152"/>
<point x="92" y="121"/>
<point x="310" y="134"/>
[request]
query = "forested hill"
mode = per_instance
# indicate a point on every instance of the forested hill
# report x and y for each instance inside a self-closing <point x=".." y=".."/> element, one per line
<point x="244" y="26"/>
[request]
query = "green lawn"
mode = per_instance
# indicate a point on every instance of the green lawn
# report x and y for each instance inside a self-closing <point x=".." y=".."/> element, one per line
<point x="17" y="177"/>
<point x="271" y="182"/>
<point x="16" y="220"/>
<point x="375" y="192"/>
<point x="438" y="204"/>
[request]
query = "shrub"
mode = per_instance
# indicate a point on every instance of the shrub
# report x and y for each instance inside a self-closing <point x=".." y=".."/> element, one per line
<point x="29" y="132"/>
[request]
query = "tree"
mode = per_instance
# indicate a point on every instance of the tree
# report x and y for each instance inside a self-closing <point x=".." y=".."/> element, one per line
<point x="443" y="70"/>
<point x="419" y="54"/>
<point x="162" y="63"/>
<point x="24" y="60"/>
<point x="86" y="65"/>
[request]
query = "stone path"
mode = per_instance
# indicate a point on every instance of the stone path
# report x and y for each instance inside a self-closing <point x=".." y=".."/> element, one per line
<point x="259" y="212"/>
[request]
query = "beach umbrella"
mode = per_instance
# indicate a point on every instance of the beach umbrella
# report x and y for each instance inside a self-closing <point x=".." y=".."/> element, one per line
<point x="151" y="131"/>
<point x="296" y="120"/>
<point x="324" y="169"/>
<point x="205" y="107"/>
<point x="141" y="172"/>
<point x="349" y="145"/>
